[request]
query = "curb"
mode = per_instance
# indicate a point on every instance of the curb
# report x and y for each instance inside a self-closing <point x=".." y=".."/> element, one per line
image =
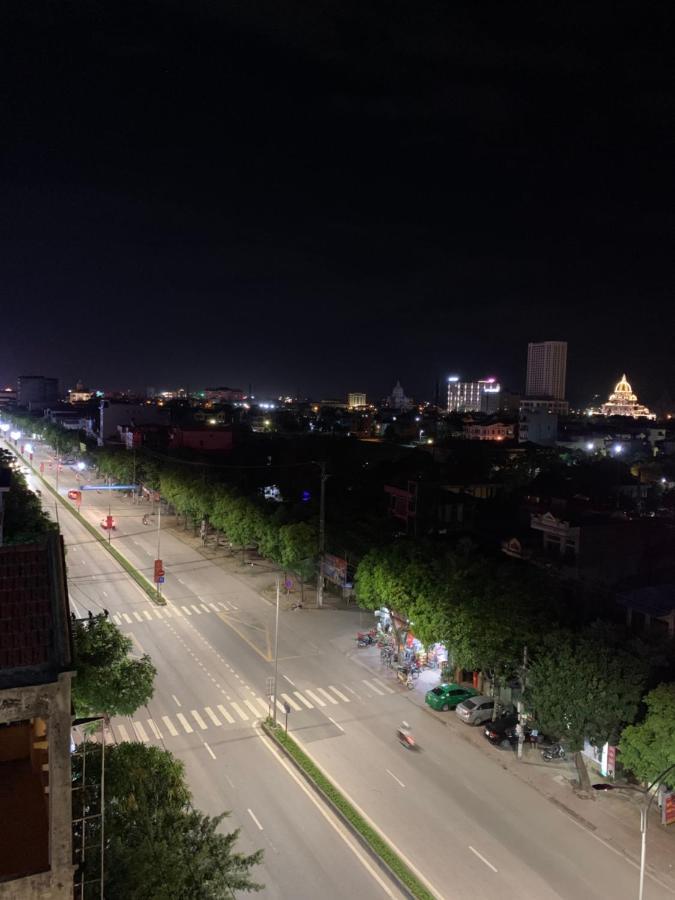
<point x="415" y="892"/>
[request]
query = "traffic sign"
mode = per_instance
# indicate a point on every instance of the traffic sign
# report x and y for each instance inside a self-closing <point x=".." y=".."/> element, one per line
<point x="159" y="571"/>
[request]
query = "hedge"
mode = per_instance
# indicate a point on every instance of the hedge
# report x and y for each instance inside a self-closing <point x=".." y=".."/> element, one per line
<point x="376" y="843"/>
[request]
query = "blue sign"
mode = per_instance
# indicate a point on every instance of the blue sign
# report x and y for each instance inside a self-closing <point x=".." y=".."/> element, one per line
<point x="108" y="487"/>
<point x="306" y="496"/>
<point x="160" y="580"/>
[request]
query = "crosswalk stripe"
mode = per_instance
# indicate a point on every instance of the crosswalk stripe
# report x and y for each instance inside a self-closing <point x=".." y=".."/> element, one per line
<point x="141" y="733"/>
<point x="291" y="702"/>
<point x="317" y="700"/>
<point x="176" y="611"/>
<point x="198" y="611"/>
<point x="225" y="714"/>
<point x="184" y="722"/>
<point x="198" y="719"/>
<point x="117" y="620"/>
<point x="252" y="708"/>
<point x="263" y="705"/>
<point x="224" y="605"/>
<point x="168" y="613"/>
<point x="170" y="726"/>
<point x="213" y="607"/>
<point x="306" y="702"/>
<point x="157" y="612"/>
<point x="126" y="618"/>
<point x="204" y="607"/>
<point x="186" y="610"/>
<point x="373" y="687"/>
<point x="240" y="711"/>
<point x="138" y="616"/>
<point x="385" y="687"/>
<point x="155" y="730"/>
<point x="123" y="732"/>
<point x="339" y="693"/>
<point x="210" y="713"/>
<point x="147" y="614"/>
<point x="326" y="694"/>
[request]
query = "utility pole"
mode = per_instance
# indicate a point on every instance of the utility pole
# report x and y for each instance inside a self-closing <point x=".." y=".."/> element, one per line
<point x="521" y="708"/>
<point x="322" y="534"/>
<point x="276" y="653"/>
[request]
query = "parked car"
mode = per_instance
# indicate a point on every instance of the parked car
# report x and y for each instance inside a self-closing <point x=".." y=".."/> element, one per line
<point x="447" y="696"/>
<point x="498" y="732"/>
<point x="73" y="494"/>
<point x="476" y="710"/>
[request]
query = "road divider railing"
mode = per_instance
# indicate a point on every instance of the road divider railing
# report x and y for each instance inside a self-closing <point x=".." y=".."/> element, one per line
<point x="140" y="579"/>
<point x="367" y="835"/>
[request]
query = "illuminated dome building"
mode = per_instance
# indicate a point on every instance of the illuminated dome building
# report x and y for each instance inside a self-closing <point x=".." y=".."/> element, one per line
<point x="623" y="402"/>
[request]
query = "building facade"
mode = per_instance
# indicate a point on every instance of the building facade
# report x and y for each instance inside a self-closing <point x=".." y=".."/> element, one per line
<point x="355" y="400"/>
<point x="546" y="370"/>
<point x="473" y="396"/>
<point x="489" y="431"/>
<point x="35" y="391"/>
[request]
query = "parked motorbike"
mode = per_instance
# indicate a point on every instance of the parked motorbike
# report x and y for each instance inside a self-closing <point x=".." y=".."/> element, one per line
<point x="555" y="751"/>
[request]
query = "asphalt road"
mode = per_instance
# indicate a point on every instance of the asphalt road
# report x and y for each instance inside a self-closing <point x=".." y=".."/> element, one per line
<point x="470" y="828"/>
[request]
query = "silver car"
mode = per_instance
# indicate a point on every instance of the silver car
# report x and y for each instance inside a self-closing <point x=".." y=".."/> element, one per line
<point x="475" y="710"/>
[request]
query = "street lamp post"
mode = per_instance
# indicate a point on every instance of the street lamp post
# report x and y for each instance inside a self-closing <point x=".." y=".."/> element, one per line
<point x="276" y="654"/>
<point x="322" y="534"/>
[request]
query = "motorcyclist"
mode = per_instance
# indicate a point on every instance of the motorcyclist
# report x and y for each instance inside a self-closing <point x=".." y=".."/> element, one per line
<point x="145" y="519"/>
<point x="404" y="733"/>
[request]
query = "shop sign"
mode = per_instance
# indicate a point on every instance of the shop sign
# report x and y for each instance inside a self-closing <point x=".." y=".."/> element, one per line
<point x="668" y="808"/>
<point x="335" y="569"/>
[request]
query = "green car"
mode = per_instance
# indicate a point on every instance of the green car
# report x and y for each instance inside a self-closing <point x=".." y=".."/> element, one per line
<point x="447" y="696"/>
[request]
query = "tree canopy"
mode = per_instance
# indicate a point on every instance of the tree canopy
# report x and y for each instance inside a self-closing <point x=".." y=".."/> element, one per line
<point x="108" y="680"/>
<point x="647" y="749"/>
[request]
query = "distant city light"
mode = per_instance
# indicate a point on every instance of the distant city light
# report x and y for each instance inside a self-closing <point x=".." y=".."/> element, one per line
<point x="430" y="440"/>
<point x="663" y="481"/>
<point x="453" y="378"/>
<point x="618" y="448"/>
<point x="590" y="446"/>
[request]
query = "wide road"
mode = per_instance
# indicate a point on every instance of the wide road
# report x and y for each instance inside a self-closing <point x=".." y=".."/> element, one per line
<point x="468" y="827"/>
<point x="230" y="764"/>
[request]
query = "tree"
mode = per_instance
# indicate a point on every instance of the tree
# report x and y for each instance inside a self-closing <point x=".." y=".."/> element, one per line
<point x="157" y="846"/>
<point x="649" y="748"/>
<point x="108" y="680"/>
<point x="580" y="688"/>
<point x="24" y="519"/>
<point x="298" y="548"/>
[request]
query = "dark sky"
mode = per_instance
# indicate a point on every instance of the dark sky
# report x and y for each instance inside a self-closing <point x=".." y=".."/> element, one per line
<point x="327" y="196"/>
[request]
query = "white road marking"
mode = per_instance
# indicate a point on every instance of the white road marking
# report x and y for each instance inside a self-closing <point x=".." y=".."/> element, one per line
<point x="157" y="612"/>
<point x="289" y="680"/>
<point x="213" y="607"/>
<point x="170" y="726"/>
<point x="481" y="858"/>
<point x="138" y="616"/>
<point x="263" y="705"/>
<point x="123" y="732"/>
<point x="168" y="613"/>
<point x="204" y="607"/>
<point x="373" y="687"/>
<point x="186" y="610"/>
<point x="104" y="593"/>
<point x="225" y="714"/>
<point x="178" y="703"/>
<point x="137" y="642"/>
<point x="397" y="780"/>
<point x="233" y="606"/>
<point x="384" y="686"/>
<point x="240" y="712"/>
<point x="175" y="611"/>
<point x="255" y="711"/>
<point x="224" y="605"/>
<point x="339" y="693"/>
<point x="317" y="700"/>
<point x="337" y="724"/>
<point x="116" y="620"/>
<point x="198" y="719"/>
<point x="252" y="815"/>
<point x="141" y="733"/>
<point x="147" y="614"/>
<point x="306" y="702"/>
<point x="291" y="702"/>
<point x="210" y="750"/>
<point x="126" y="617"/>
<point x="184" y="722"/>
<point x="155" y="730"/>
<point x="327" y="695"/>
<point x="210" y="713"/>
<point x="198" y="611"/>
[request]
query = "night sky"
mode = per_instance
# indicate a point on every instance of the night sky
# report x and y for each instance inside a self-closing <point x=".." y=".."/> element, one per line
<point x="327" y="196"/>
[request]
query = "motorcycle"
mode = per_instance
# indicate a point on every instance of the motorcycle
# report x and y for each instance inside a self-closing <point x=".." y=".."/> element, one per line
<point x="406" y="739"/>
<point x="555" y="751"/>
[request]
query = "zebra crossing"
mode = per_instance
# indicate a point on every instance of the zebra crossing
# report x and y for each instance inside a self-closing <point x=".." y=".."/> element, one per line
<point x="241" y="712"/>
<point x="173" y="610"/>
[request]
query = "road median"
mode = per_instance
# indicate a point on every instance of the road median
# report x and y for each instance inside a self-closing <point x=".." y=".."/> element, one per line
<point x="386" y="856"/>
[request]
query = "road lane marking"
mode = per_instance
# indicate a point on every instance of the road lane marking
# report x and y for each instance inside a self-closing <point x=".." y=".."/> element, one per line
<point x="178" y="703"/>
<point x="136" y="641"/>
<point x="155" y="730"/>
<point x="204" y="607"/>
<point x="116" y="620"/>
<point x="198" y="611"/>
<point x="291" y="702"/>
<point x="127" y="618"/>
<point x="233" y="606"/>
<point x="213" y="607"/>
<point x="481" y="858"/>
<point x="198" y="719"/>
<point x="157" y="613"/>
<point x="327" y="695"/>
<point x="317" y="700"/>
<point x="141" y="733"/>
<point x="138" y="616"/>
<point x="210" y="750"/>
<point x="210" y="713"/>
<point x="186" y="610"/>
<point x="289" y="680"/>
<point x="184" y="722"/>
<point x="373" y="687"/>
<point x="339" y="693"/>
<point x="337" y="724"/>
<point x="240" y="712"/>
<point x="252" y="815"/>
<point x="300" y="697"/>
<point x="384" y="686"/>
<point x="255" y="711"/>
<point x="147" y="614"/>
<point x="168" y="613"/>
<point x="175" y="611"/>
<point x="225" y="714"/>
<point x="263" y="705"/>
<point x="123" y="732"/>
<point x="225" y="607"/>
<point x="397" y="780"/>
<point x="170" y="726"/>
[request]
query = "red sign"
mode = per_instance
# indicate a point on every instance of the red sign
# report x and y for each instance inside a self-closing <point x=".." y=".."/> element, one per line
<point x="42" y="468"/>
<point x="159" y="570"/>
<point x="31" y="457"/>
<point x="109" y="522"/>
<point x="668" y="808"/>
<point x="611" y="760"/>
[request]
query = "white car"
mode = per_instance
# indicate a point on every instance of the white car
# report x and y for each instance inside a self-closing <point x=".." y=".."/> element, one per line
<point x="475" y="710"/>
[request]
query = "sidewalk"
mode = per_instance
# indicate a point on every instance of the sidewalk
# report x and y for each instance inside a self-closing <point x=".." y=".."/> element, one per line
<point x="612" y="817"/>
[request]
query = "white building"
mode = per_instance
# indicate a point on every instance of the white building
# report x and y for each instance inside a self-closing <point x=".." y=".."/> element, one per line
<point x="355" y="400"/>
<point x="473" y="396"/>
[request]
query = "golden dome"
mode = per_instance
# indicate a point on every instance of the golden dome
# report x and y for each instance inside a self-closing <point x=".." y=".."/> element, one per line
<point x="622" y="387"/>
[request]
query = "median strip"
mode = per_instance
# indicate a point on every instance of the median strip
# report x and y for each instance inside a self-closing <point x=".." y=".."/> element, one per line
<point x="377" y="844"/>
